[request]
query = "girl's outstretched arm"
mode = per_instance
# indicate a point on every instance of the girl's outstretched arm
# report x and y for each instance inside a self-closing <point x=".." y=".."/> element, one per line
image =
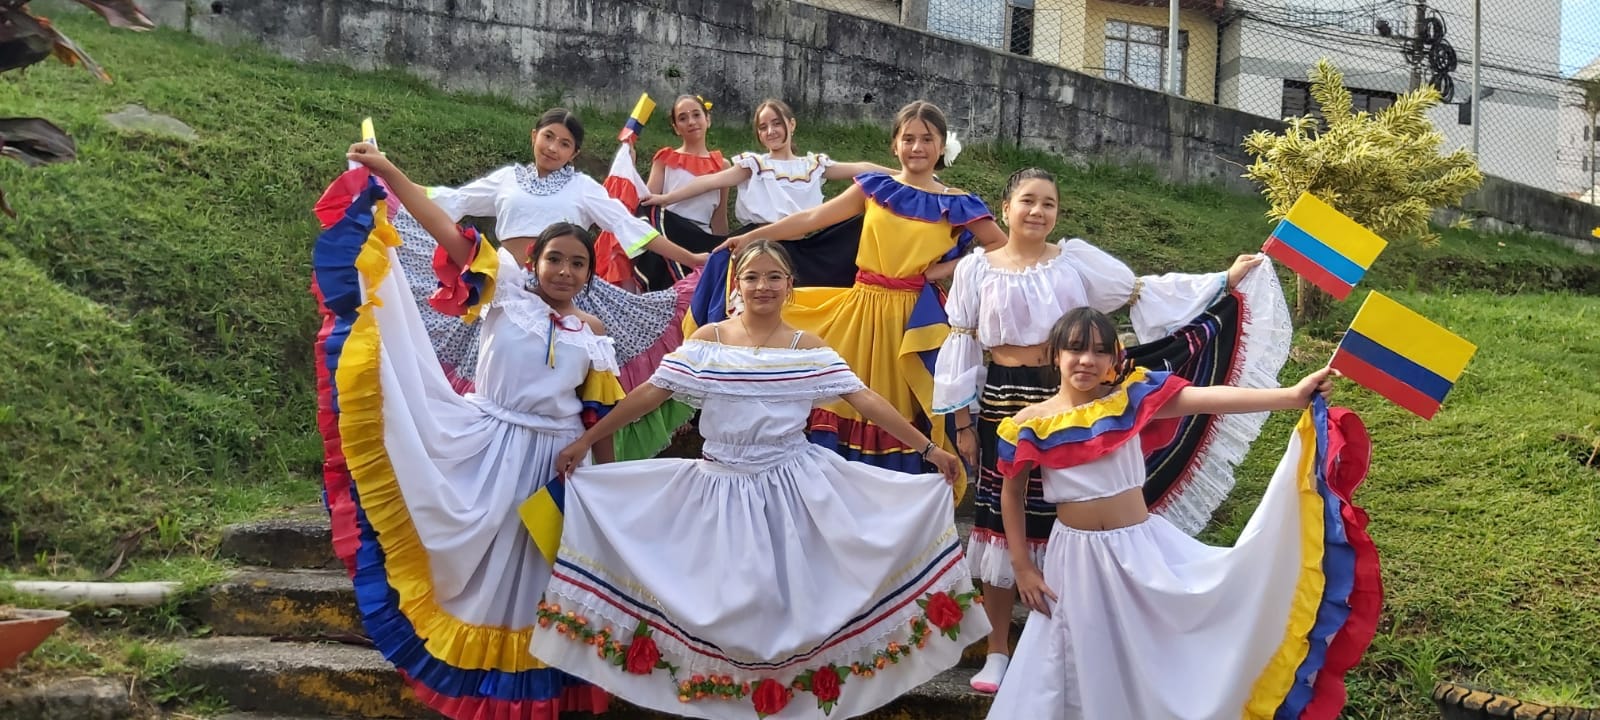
<point x="848" y="170"/>
<point x="703" y="184"/>
<point x="637" y="404"/>
<point x="1224" y="399"/>
<point x="879" y="412"/>
<point x="433" y="218"/>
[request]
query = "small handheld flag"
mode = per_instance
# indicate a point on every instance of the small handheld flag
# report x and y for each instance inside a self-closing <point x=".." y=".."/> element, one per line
<point x="368" y="135"/>
<point x="1401" y="355"/>
<point x="541" y="515"/>
<point x="1324" y="246"/>
<point x="637" y="119"/>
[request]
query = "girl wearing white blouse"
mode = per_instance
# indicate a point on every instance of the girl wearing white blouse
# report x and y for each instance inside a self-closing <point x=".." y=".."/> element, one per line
<point x="778" y="183"/>
<point x="524" y="200"/>
<point x="698" y="222"/>
<point x="1004" y="303"/>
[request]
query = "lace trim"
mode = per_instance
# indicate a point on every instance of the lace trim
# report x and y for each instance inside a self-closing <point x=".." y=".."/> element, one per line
<point x="528" y="179"/>
<point x="527" y="311"/>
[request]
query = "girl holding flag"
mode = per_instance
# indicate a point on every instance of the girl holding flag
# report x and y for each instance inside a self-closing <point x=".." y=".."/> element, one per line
<point x="698" y="222"/>
<point x="523" y="200"/>
<point x="1002" y="305"/>
<point x="1135" y="619"/>
<point x="778" y="183"/>
<point x="424" y="484"/>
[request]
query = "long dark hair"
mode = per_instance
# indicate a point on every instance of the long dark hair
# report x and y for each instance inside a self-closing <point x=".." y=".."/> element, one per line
<point x="1078" y="328"/>
<point x="563" y="229"/>
<point x="565" y="118"/>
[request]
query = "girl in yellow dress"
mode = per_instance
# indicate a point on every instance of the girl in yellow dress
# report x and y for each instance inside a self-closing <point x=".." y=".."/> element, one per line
<point x="890" y="324"/>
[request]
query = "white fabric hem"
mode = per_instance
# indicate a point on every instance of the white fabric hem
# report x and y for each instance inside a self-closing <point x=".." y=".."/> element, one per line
<point x="990" y="560"/>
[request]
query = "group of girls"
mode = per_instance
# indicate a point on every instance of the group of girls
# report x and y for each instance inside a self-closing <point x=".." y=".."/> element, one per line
<point x="808" y="564"/>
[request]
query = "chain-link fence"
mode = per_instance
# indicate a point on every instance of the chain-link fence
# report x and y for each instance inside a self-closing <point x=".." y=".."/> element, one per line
<point x="1534" y="121"/>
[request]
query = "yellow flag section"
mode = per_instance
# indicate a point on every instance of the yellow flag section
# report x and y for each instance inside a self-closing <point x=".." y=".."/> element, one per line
<point x="1401" y="355"/>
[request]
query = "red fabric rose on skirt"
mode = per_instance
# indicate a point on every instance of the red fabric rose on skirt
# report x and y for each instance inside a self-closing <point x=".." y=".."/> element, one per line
<point x="825" y="684"/>
<point x="642" y="655"/>
<point x="770" y="697"/>
<point x="943" y="611"/>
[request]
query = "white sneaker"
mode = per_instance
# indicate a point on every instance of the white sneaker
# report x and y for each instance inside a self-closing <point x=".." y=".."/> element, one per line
<point x="994" y="670"/>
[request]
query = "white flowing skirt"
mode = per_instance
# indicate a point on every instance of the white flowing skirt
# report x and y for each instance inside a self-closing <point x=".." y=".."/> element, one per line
<point x="750" y="574"/>
<point x="1151" y="624"/>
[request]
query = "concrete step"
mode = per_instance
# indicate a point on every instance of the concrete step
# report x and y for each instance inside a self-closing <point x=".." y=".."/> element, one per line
<point x="292" y="603"/>
<point x="301" y="541"/>
<point x="295" y="681"/>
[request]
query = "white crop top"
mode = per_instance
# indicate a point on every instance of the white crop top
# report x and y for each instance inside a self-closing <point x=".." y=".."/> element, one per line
<point x="777" y="189"/>
<point x="1119" y="471"/>
<point x="524" y="204"/>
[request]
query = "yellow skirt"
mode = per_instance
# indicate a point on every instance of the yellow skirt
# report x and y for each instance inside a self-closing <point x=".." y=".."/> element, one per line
<point x="877" y="333"/>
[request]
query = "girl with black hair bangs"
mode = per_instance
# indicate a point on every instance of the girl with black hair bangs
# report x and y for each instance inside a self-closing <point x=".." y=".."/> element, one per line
<point x="424" y="485"/>
<point x="1135" y="620"/>
<point x="1002" y="304"/>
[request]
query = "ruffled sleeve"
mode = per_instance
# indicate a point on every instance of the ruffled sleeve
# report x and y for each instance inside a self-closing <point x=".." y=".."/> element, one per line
<point x="1107" y="281"/>
<point x="1167" y="302"/>
<point x="601" y="209"/>
<point x="601" y="391"/>
<point x="747" y="160"/>
<point x="958" y="373"/>
<point x="823" y="161"/>
<point x="475" y="199"/>
<point x="465" y="291"/>
<point x="1088" y="432"/>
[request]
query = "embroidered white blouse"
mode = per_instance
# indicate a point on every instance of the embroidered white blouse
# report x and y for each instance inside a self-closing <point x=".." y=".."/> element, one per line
<point x="990" y="307"/>
<point x="524" y="204"/>
<point x="777" y="189"/>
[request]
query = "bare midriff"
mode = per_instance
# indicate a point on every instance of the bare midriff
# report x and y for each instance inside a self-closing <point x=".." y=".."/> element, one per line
<point x="1019" y="355"/>
<point x="1108" y="513"/>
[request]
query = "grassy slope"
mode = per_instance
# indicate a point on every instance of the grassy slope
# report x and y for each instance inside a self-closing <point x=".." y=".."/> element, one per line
<point x="157" y="371"/>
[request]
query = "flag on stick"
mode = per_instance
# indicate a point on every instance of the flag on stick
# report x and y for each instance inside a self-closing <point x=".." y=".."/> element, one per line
<point x="1324" y="246"/>
<point x="637" y="119"/>
<point x="1401" y="355"/>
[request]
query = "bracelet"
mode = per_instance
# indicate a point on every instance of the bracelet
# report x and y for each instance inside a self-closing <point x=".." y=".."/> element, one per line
<point x="927" y="450"/>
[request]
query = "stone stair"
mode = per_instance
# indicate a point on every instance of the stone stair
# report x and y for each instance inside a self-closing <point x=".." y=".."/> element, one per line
<point x="287" y="642"/>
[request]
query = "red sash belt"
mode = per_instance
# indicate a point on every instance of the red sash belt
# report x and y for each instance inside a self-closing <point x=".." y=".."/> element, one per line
<point x="910" y="284"/>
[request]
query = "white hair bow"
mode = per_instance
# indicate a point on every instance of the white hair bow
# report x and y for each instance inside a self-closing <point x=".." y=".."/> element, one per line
<point x="952" y="148"/>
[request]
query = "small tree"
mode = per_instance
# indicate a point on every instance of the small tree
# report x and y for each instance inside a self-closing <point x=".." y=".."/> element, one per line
<point x="26" y="39"/>
<point x="1382" y="169"/>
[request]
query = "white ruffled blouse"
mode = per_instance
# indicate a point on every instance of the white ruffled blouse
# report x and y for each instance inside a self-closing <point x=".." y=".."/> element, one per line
<point x="990" y="307"/>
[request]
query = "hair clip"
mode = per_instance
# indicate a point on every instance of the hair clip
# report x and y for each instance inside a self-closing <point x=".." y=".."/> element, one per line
<point x="706" y="103"/>
<point x="952" y="148"/>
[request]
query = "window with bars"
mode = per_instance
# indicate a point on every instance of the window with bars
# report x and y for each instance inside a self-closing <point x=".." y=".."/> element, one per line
<point x="1297" y="99"/>
<point x="1022" y="29"/>
<point x="1137" y="54"/>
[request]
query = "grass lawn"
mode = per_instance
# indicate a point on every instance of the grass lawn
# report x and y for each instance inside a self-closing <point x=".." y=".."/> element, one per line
<point x="156" y="379"/>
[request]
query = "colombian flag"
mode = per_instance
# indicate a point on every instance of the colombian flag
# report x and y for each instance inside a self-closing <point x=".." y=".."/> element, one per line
<point x="637" y="119"/>
<point x="1323" y="246"/>
<point x="1401" y="355"/>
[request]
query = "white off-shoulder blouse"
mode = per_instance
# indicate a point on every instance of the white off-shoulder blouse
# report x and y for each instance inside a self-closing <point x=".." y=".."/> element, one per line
<point x="990" y="307"/>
